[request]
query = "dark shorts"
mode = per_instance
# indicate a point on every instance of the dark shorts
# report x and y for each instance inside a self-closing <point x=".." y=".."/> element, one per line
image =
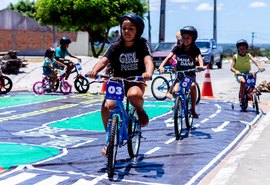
<point x="47" y="71"/>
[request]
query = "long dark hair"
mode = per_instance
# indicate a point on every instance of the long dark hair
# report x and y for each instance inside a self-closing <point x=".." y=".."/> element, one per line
<point x="49" y="52"/>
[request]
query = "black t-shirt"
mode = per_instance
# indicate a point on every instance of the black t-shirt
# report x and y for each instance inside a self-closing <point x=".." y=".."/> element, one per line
<point x="128" y="61"/>
<point x="186" y="59"/>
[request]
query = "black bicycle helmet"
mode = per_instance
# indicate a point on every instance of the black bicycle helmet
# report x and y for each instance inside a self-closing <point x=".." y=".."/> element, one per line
<point x="242" y="42"/>
<point x="65" y="40"/>
<point x="190" y="30"/>
<point x="137" y="20"/>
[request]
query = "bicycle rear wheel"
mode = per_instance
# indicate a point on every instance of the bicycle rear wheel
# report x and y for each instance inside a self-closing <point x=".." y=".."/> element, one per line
<point x="39" y="88"/>
<point x="159" y="87"/>
<point x="198" y="93"/>
<point x="255" y="103"/>
<point x="112" y="146"/>
<point x="5" y="84"/>
<point x="81" y="84"/>
<point x="188" y="116"/>
<point x="134" y="132"/>
<point x="178" y="117"/>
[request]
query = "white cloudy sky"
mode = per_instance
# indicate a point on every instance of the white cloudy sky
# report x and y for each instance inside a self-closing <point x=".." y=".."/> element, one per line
<point x="235" y="19"/>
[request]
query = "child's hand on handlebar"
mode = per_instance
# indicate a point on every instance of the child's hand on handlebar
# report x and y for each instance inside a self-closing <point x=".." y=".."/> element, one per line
<point x="146" y="76"/>
<point x="200" y="68"/>
<point x="161" y="69"/>
<point x="92" y="74"/>
<point x="262" y="69"/>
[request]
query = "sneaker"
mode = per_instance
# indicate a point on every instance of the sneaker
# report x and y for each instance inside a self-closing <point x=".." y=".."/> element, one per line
<point x="194" y="114"/>
<point x="143" y="118"/>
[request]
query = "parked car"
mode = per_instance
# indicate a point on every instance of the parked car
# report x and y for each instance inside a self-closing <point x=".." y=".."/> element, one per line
<point x="212" y="54"/>
<point x="161" y="51"/>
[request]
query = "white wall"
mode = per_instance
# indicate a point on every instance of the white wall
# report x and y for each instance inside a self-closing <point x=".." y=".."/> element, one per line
<point x="80" y="47"/>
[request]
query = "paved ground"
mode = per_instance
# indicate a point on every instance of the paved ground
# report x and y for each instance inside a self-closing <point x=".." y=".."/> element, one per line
<point x="248" y="164"/>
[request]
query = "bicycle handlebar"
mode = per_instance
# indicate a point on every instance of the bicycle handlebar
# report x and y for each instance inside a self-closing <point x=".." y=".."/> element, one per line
<point x="131" y="78"/>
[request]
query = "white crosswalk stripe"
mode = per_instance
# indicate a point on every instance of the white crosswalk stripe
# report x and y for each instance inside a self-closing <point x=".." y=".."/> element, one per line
<point x="53" y="180"/>
<point x="18" y="178"/>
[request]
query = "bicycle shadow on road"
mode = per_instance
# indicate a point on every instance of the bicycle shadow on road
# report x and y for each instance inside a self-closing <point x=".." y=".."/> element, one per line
<point x="199" y="134"/>
<point x="147" y="169"/>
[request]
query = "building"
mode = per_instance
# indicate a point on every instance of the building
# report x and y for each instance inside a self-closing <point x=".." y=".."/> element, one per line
<point x="18" y="32"/>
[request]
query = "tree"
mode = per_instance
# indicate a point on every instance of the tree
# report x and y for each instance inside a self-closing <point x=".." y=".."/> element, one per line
<point x="25" y="7"/>
<point x="94" y="16"/>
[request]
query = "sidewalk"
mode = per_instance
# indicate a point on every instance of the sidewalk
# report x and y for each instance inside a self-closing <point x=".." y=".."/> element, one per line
<point x="249" y="164"/>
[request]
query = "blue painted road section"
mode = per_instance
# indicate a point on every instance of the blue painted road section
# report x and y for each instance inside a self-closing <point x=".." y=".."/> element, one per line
<point x="162" y="159"/>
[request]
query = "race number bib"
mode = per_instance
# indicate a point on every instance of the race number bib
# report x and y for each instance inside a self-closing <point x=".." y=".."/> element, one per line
<point x="186" y="82"/>
<point x="250" y="80"/>
<point x="114" y="91"/>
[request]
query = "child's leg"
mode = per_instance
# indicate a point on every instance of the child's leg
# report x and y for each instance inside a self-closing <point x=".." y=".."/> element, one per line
<point x="172" y="89"/>
<point x="242" y="89"/>
<point x="193" y="94"/>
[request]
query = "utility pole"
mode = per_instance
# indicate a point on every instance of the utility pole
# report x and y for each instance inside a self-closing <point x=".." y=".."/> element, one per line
<point x="149" y="25"/>
<point x="215" y="21"/>
<point x="162" y="21"/>
<point x="252" y="35"/>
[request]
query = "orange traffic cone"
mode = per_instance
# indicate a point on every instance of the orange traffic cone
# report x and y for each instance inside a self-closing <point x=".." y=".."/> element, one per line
<point x="207" y="91"/>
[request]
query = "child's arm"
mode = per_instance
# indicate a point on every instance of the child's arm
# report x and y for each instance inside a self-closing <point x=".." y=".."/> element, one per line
<point x="60" y="64"/>
<point x="101" y="64"/>
<point x="200" y="60"/>
<point x="161" y="67"/>
<point x="149" y="67"/>
<point x="256" y="63"/>
<point x="233" y="66"/>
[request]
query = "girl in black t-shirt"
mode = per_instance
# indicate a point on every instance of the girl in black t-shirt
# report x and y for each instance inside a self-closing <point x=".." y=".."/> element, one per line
<point x="186" y="55"/>
<point x="130" y="56"/>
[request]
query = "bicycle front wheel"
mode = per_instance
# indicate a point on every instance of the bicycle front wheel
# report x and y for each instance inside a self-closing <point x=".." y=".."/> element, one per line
<point x="198" y="93"/>
<point x="134" y="132"/>
<point x="178" y="117"/>
<point x="5" y="84"/>
<point x="159" y="87"/>
<point x="39" y="88"/>
<point x="81" y="84"/>
<point x="112" y="146"/>
<point x="65" y="87"/>
<point x="255" y="102"/>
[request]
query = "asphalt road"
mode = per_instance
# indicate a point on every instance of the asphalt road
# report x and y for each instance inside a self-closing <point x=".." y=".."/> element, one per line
<point x="56" y="139"/>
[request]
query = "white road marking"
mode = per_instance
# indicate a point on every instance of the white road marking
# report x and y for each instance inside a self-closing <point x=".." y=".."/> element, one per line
<point x="53" y="180"/>
<point x="153" y="150"/>
<point x="18" y="178"/>
<point x="7" y="112"/>
<point x="221" y="127"/>
<point x="218" y="157"/>
<point x="204" y="120"/>
<point x="170" y="141"/>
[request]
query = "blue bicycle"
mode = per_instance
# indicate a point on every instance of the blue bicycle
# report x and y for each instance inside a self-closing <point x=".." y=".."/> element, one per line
<point x="160" y="85"/>
<point x="182" y="104"/>
<point x="123" y="124"/>
<point x="251" y="92"/>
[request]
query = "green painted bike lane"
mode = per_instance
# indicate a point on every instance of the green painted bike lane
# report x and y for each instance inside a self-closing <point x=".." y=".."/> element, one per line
<point x="12" y="154"/>
<point x="92" y="121"/>
<point x="25" y="99"/>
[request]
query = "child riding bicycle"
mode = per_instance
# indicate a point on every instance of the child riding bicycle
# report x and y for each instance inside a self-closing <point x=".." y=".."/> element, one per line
<point x="186" y="55"/>
<point x="130" y="56"/>
<point x="62" y="51"/>
<point x="241" y="64"/>
<point x="50" y="65"/>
